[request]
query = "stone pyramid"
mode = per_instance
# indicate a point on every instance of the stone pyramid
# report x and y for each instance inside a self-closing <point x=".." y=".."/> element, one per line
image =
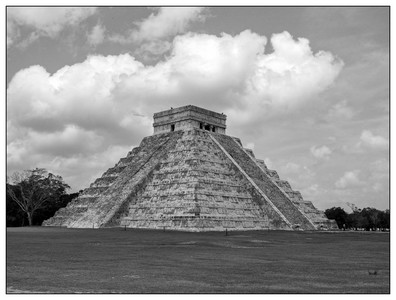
<point x="189" y="175"/>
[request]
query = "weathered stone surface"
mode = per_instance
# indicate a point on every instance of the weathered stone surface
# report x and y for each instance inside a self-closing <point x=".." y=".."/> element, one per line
<point x="192" y="179"/>
<point x="197" y="188"/>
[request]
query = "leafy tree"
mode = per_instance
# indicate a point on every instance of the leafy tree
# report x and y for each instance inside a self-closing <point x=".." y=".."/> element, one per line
<point x="34" y="189"/>
<point x="353" y="220"/>
<point x="357" y="220"/>
<point x="370" y="217"/>
<point x="337" y="214"/>
<point x="384" y="219"/>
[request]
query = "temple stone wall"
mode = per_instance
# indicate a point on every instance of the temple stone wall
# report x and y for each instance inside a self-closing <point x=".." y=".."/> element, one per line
<point x="188" y="117"/>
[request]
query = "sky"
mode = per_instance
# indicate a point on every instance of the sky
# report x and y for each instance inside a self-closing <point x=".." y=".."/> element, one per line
<point x="307" y="88"/>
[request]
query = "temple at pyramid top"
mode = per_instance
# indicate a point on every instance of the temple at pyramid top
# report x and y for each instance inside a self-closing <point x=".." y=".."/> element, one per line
<point x="188" y="117"/>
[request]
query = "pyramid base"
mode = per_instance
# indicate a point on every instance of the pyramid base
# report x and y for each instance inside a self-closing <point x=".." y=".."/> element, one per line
<point x="202" y="223"/>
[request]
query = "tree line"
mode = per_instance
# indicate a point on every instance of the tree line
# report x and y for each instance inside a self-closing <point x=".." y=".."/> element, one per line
<point x="369" y="219"/>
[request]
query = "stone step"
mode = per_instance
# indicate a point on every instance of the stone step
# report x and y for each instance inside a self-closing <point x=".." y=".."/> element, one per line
<point x="285" y="185"/>
<point x="294" y="195"/>
<point x="273" y="174"/>
<point x="114" y="171"/>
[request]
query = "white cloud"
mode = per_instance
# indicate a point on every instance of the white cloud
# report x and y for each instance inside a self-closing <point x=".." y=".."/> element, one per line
<point x="44" y="21"/>
<point x="311" y="192"/>
<point x="168" y="21"/>
<point x="70" y="94"/>
<point x="367" y="140"/>
<point x="348" y="180"/>
<point x="109" y="101"/>
<point x="29" y="40"/>
<point x="283" y="81"/>
<point x="299" y="176"/>
<point x="374" y="141"/>
<point x="153" y="31"/>
<point x="151" y="50"/>
<point x="340" y="110"/>
<point x="13" y="33"/>
<point x="250" y="146"/>
<point x="97" y="35"/>
<point x="322" y="152"/>
<point x="291" y="167"/>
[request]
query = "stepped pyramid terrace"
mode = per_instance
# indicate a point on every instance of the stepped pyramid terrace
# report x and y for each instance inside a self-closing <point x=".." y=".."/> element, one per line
<point x="191" y="176"/>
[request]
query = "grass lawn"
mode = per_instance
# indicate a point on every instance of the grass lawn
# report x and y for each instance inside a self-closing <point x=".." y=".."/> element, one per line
<point x="57" y="260"/>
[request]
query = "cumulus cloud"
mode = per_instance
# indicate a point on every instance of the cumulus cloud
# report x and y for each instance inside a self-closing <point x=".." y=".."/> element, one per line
<point x="85" y="108"/>
<point x="44" y="21"/>
<point x="71" y="113"/>
<point x="97" y="35"/>
<point x="81" y="94"/>
<point x="287" y="78"/>
<point x="348" y="180"/>
<point x="322" y="152"/>
<point x="367" y="138"/>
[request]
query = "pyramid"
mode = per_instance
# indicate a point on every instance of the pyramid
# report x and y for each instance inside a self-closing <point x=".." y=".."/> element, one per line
<point x="190" y="176"/>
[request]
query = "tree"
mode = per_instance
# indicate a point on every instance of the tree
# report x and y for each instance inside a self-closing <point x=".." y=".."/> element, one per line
<point x="367" y="214"/>
<point x="337" y="214"/>
<point x="15" y="216"/>
<point x="384" y="219"/>
<point x="33" y="189"/>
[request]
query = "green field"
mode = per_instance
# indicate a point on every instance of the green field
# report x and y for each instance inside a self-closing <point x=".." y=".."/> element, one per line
<point x="56" y="260"/>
